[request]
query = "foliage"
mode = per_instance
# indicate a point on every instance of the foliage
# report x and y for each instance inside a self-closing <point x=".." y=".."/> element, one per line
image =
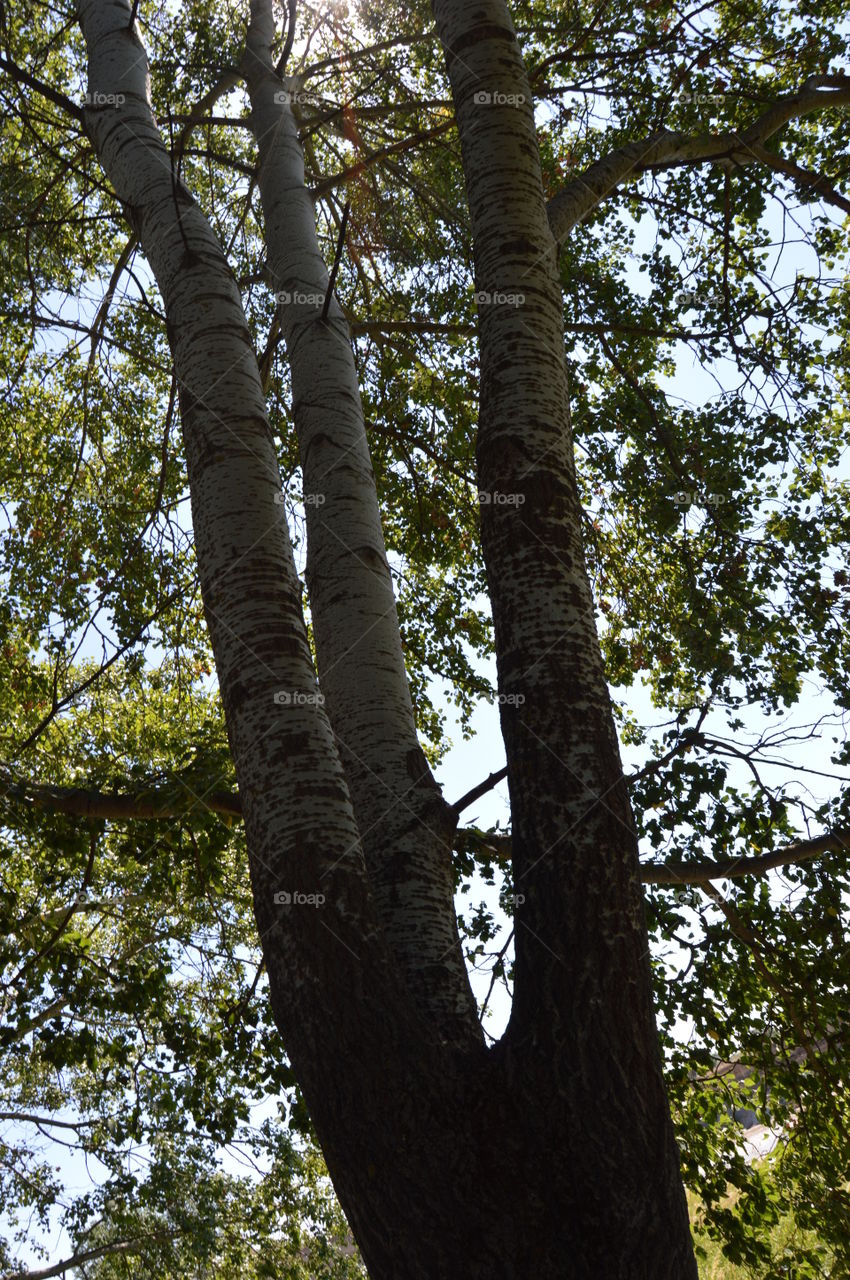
<point x="716" y="532"/>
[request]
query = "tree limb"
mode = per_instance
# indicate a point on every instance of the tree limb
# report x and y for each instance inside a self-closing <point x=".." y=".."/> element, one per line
<point x="804" y="178"/>
<point x="24" y="1117"/>
<point x="89" y="1255"/>
<point x="86" y="802"/>
<point x="32" y="82"/>
<point x="167" y="803"/>
<point x="667" y="148"/>
<point x="292" y="11"/>
<point x="378" y="327"/>
<point x="375" y="328"/>
<point x="229" y="79"/>
<point x="480" y="790"/>
<point x="684" y="873"/>
<point x="374" y="157"/>
<point x="734" y="868"/>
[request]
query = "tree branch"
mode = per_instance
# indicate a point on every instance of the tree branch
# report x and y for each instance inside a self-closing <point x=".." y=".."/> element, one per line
<point x="85" y="802"/>
<point x="89" y="1255"/>
<point x="59" y="704"/>
<point x="374" y="157"/>
<point x="481" y="790"/>
<point x="734" y="868"/>
<point x="166" y="803"/>
<point x="290" y="37"/>
<point x="229" y="79"/>
<point x="668" y="148"/>
<point x="24" y="1117"/>
<point x="375" y="328"/>
<point x="683" y="873"/>
<point x="378" y="327"/>
<point x="32" y="82"/>
<point x="805" y="178"/>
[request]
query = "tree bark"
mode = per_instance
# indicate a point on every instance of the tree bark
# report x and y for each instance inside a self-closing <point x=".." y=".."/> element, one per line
<point x="582" y="1027"/>
<point x="406" y="826"/>
<point x="335" y="991"/>
<point x="552" y="1153"/>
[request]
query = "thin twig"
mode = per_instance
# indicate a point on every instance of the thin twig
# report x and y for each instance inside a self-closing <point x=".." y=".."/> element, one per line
<point x="339" y="247"/>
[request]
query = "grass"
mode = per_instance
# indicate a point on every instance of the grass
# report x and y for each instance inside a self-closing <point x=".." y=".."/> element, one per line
<point x="714" y="1266"/>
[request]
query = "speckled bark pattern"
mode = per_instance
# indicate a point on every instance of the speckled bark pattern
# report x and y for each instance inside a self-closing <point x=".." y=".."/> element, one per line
<point x="551" y="1154"/>
<point x="406" y="825"/>
<point x="582" y="1023"/>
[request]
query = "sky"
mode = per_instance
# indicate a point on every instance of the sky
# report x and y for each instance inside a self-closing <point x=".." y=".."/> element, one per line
<point x="469" y="761"/>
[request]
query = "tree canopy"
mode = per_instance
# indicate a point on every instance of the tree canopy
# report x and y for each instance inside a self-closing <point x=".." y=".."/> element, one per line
<point x="695" y="162"/>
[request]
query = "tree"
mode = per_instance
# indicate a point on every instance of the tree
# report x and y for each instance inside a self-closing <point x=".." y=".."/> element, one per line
<point x="232" y="316"/>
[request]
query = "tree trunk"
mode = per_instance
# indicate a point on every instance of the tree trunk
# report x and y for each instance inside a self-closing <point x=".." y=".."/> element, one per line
<point x="507" y="1170"/>
<point x="552" y="1153"/>
<point x="407" y="827"/>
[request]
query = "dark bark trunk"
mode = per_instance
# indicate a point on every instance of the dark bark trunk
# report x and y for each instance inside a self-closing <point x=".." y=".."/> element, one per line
<point x="494" y="1165"/>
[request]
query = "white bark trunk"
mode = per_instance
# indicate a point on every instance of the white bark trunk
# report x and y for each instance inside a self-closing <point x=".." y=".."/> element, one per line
<point x="408" y="1124"/>
<point x="301" y="830"/>
<point x="406" y="825"/>
<point x="382" y="1087"/>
